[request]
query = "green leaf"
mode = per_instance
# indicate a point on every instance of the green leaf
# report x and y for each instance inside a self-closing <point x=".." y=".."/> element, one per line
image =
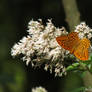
<point x="72" y="67"/>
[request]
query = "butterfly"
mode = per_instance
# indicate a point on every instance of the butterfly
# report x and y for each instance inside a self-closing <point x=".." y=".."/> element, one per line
<point x="78" y="47"/>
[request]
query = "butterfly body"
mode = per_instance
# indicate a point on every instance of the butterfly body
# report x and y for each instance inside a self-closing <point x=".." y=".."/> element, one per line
<point x="78" y="47"/>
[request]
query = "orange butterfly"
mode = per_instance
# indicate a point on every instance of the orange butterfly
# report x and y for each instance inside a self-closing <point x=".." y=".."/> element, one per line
<point x="78" y="47"/>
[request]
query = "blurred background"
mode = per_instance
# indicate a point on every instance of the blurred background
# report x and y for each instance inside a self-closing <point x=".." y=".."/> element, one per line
<point x="15" y="76"/>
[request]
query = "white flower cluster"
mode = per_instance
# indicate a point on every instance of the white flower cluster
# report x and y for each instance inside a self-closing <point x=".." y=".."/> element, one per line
<point x="84" y="31"/>
<point x="39" y="89"/>
<point x="40" y="46"/>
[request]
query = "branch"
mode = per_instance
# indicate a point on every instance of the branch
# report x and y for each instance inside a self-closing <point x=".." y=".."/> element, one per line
<point x="71" y="12"/>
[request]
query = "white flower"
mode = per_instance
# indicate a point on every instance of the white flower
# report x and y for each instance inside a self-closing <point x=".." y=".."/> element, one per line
<point x="39" y="89"/>
<point x="84" y="31"/>
<point x="40" y="45"/>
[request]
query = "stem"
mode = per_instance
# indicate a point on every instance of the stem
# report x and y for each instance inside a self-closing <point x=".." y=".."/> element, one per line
<point x="87" y="79"/>
<point x="71" y="12"/>
<point x="84" y="67"/>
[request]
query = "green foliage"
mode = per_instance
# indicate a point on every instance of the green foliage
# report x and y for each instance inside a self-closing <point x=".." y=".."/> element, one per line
<point x="81" y="89"/>
<point x="74" y="66"/>
<point x="81" y="66"/>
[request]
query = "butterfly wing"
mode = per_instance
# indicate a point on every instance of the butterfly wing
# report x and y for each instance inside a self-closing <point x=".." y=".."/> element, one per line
<point x="81" y="51"/>
<point x="68" y="42"/>
<point x="62" y="41"/>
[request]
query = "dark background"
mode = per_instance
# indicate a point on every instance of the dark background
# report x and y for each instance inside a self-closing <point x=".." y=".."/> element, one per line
<point x="15" y="76"/>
